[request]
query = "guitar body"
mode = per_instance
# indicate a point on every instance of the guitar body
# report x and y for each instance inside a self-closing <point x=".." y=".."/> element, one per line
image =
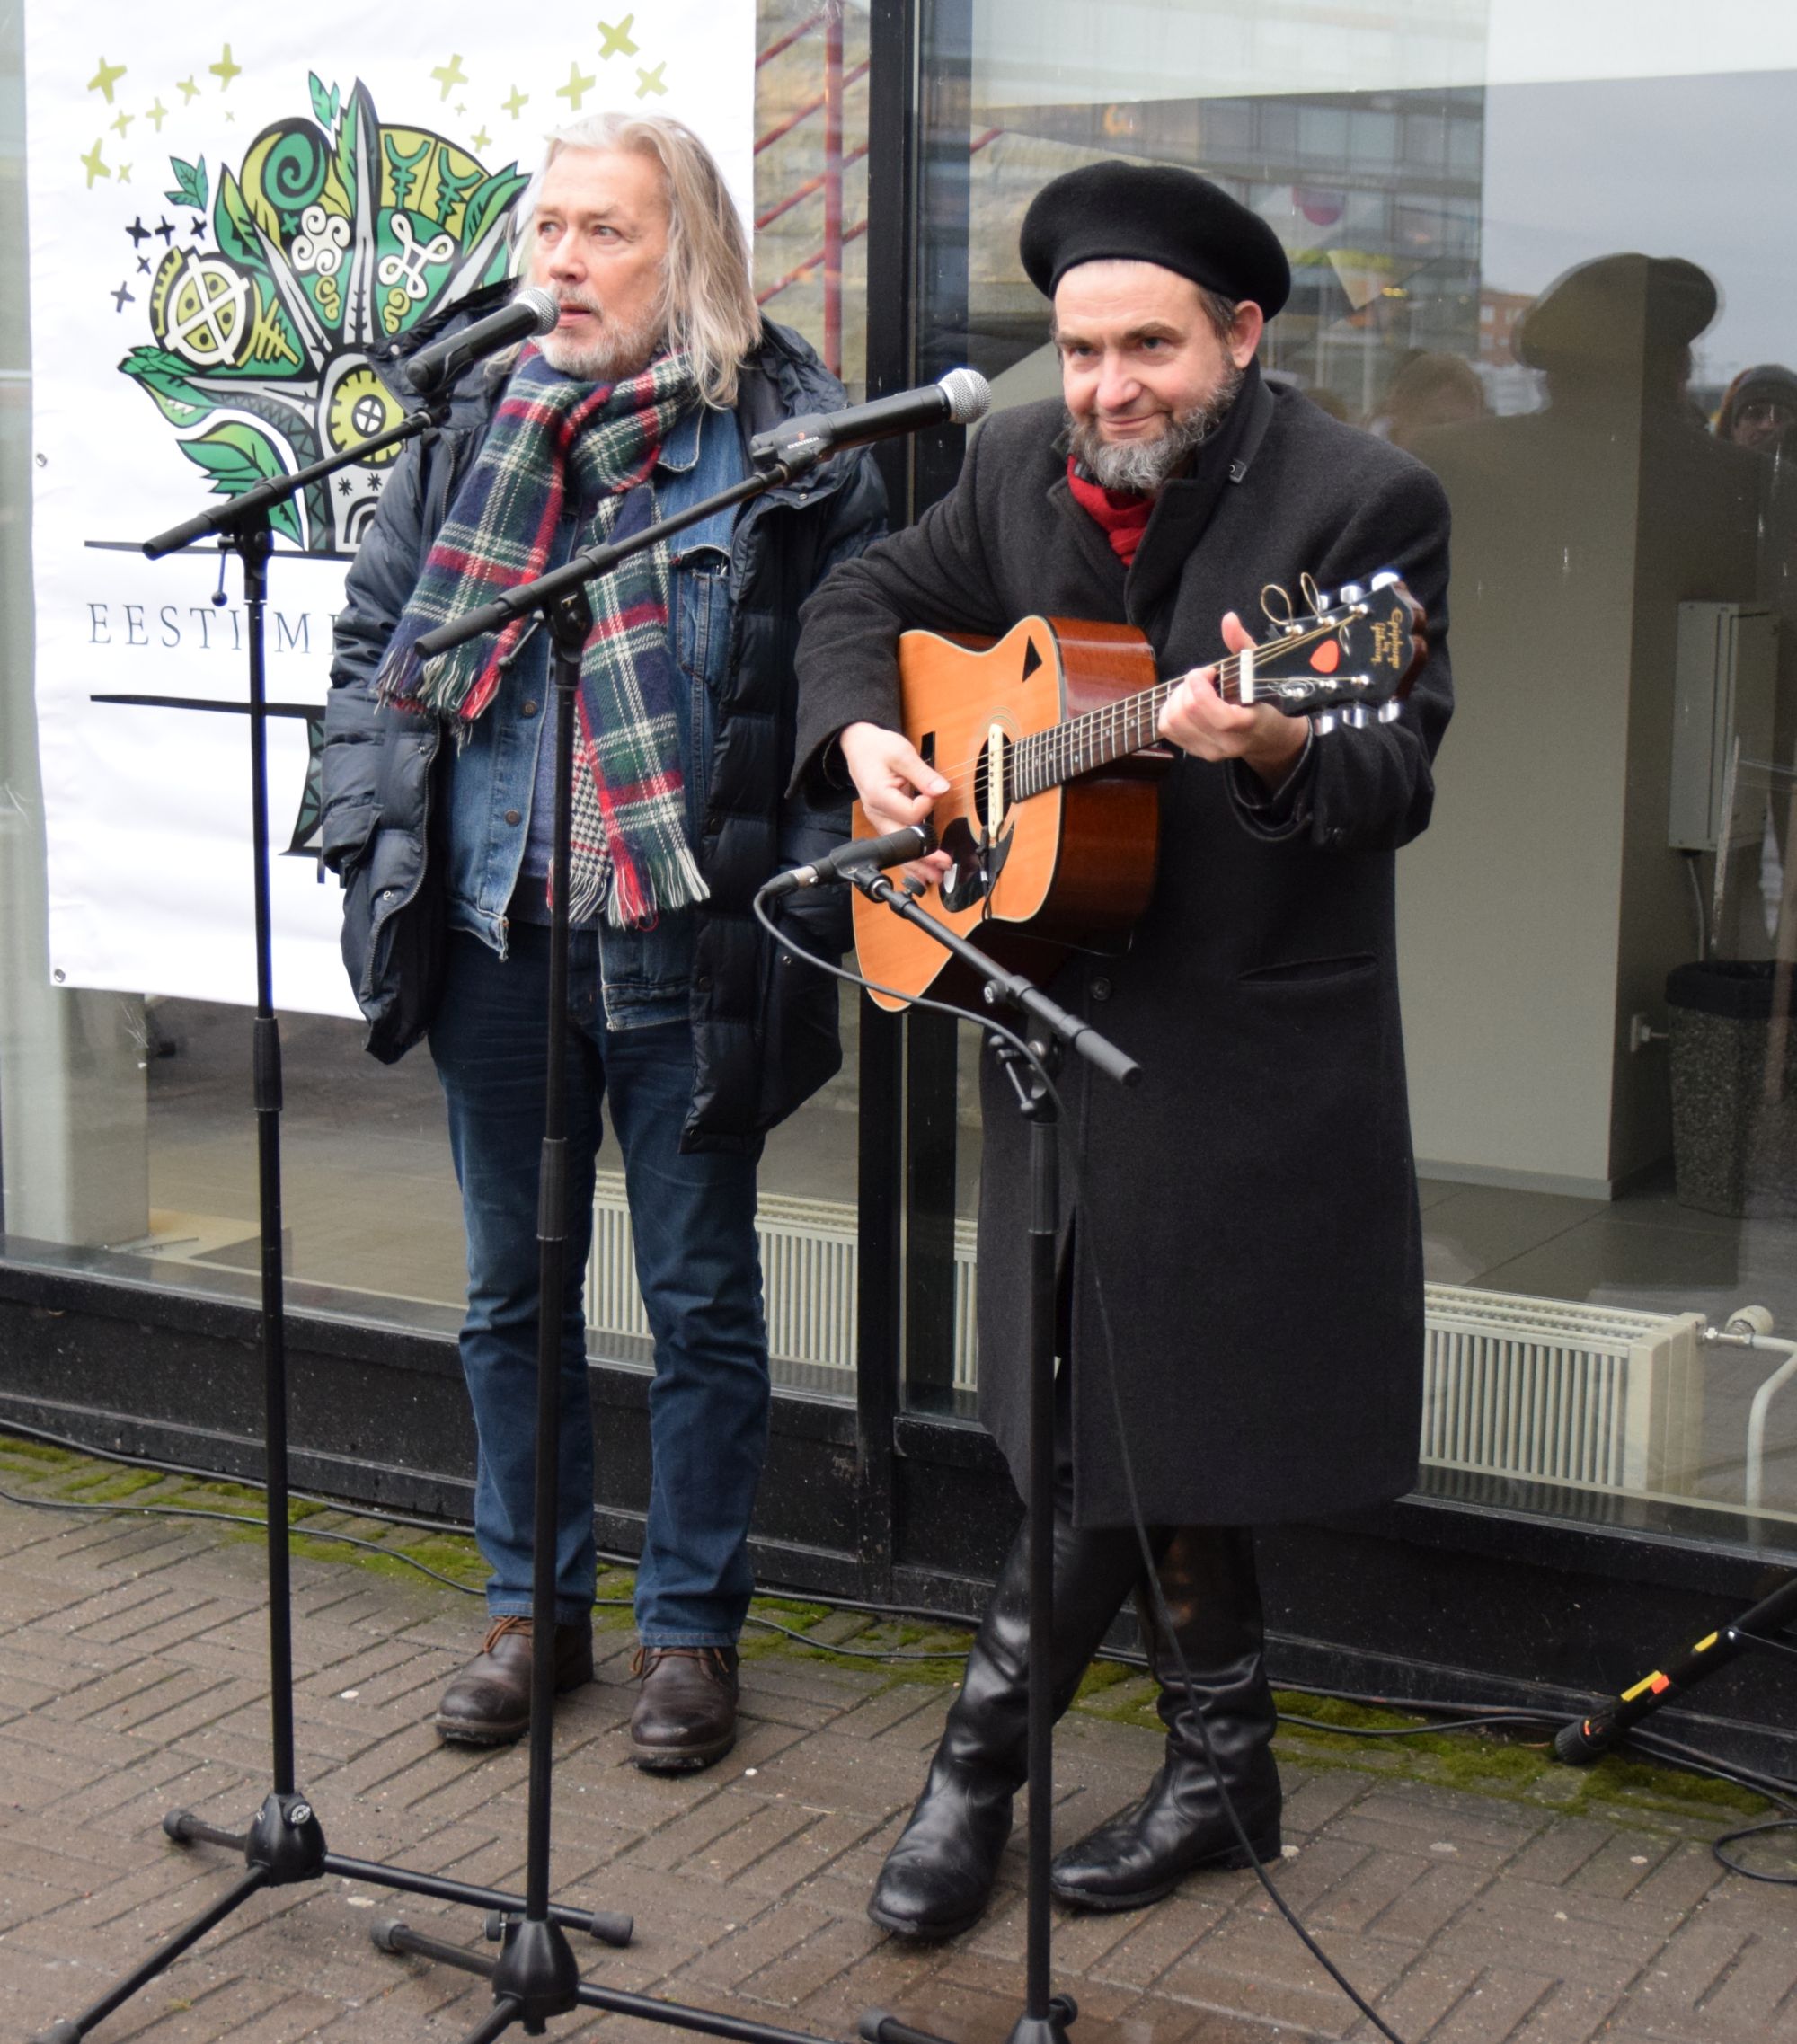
<point x="1047" y="740"/>
<point x="1072" y="864"/>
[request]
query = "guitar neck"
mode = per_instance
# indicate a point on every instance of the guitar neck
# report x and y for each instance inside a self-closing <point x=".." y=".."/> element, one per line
<point x="1080" y="744"/>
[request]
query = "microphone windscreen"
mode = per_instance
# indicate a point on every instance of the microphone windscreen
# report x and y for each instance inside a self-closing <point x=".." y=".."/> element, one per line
<point x="544" y="303"/>
<point x="969" y="394"/>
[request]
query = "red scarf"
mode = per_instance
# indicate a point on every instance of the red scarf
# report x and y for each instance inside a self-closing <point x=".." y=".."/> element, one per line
<point x="1122" y="513"/>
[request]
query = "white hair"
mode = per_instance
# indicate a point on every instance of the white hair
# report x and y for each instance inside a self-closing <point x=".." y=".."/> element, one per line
<point x="709" y="301"/>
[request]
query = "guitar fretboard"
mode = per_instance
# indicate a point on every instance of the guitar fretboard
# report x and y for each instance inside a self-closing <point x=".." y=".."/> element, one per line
<point x="1080" y="745"/>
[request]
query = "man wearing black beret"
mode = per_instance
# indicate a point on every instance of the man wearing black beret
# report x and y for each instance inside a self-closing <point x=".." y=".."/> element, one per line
<point x="1245" y="1268"/>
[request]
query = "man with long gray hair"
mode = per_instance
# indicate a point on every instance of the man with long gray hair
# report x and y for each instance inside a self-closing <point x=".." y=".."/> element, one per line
<point x="438" y="801"/>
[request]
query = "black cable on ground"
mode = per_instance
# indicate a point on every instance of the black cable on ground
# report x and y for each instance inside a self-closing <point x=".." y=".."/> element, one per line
<point x="1463" y="1717"/>
<point x="239" y="1519"/>
<point x="1037" y="1065"/>
<point x="308" y="1532"/>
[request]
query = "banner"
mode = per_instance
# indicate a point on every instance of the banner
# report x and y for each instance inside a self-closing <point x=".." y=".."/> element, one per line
<point x="227" y="211"/>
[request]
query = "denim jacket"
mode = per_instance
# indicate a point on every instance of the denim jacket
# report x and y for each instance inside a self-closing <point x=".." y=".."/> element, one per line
<point x="500" y="783"/>
<point x="763" y="1032"/>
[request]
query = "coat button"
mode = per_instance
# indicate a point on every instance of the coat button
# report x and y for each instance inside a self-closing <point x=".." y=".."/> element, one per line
<point x="1100" y="989"/>
<point x="713" y="823"/>
<point x="702" y="981"/>
<point x="514" y="815"/>
<point x="529" y="710"/>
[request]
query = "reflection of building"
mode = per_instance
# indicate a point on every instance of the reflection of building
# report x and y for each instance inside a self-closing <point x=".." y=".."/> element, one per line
<point x="1500" y="314"/>
<point x="1375" y="195"/>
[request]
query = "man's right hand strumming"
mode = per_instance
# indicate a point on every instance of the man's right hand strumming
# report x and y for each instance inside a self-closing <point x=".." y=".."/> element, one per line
<point x="896" y="786"/>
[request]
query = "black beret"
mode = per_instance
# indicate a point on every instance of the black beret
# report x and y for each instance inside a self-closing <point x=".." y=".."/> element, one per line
<point x="1138" y="212"/>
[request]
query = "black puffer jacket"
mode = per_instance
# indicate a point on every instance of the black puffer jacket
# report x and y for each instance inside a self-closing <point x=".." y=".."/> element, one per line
<point x="764" y="1030"/>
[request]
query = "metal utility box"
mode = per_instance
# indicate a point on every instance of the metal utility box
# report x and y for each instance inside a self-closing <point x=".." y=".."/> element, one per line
<point x="1723" y="692"/>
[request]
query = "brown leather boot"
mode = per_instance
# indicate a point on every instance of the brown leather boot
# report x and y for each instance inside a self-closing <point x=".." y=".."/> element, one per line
<point x="686" y="1714"/>
<point x="487" y="1703"/>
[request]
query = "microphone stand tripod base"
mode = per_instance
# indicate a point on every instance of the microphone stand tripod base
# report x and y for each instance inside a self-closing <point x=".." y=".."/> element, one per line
<point x="1049" y="2029"/>
<point x="877" y="2027"/>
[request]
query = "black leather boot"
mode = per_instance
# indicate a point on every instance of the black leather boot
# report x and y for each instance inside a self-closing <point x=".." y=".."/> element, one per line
<point x="1214" y="1600"/>
<point x="938" y="1878"/>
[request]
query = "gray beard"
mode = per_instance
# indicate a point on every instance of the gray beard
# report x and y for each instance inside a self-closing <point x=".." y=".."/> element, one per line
<point x="614" y="353"/>
<point x="1141" y="466"/>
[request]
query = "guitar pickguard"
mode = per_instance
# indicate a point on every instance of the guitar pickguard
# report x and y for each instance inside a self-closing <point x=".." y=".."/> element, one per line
<point x="978" y="851"/>
<point x="978" y="864"/>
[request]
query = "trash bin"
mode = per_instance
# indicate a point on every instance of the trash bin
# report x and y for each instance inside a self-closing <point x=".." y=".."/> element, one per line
<point x="1734" y="1121"/>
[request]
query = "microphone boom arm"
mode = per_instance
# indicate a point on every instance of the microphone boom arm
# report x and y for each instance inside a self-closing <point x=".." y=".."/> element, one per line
<point x="777" y="458"/>
<point x="242" y="514"/>
<point x="588" y="564"/>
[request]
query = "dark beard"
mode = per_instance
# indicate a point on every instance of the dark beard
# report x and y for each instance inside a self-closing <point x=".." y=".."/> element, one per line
<point x="1141" y="466"/>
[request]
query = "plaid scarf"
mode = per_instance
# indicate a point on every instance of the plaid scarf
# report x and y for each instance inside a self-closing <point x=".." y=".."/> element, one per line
<point x="630" y="852"/>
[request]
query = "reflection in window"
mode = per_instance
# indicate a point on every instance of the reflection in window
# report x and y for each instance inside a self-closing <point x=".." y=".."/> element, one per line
<point x="1561" y="293"/>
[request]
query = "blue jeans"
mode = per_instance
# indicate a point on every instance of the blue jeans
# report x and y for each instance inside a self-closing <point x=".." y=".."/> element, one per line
<point x="696" y="1261"/>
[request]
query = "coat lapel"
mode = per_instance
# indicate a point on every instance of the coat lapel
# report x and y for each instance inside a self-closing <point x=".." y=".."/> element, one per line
<point x="1093" y="549"/>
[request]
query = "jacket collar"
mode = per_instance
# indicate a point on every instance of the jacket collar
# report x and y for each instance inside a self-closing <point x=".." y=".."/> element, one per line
<point x="680" y="450"/>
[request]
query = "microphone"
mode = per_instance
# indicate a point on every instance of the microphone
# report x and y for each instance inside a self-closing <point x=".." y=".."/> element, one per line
<point x="892" y="850"/>
<point x="436" y="366"/>
<point x="960" y="397"/>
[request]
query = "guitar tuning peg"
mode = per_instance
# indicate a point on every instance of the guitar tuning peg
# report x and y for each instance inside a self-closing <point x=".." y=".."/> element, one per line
<point x="1385" y="577"/>
<point x="1389" y="713"/>
<point x="1355" y="716"/>
<point x="1323" y="722"/>
<point x="1349" y="592"/>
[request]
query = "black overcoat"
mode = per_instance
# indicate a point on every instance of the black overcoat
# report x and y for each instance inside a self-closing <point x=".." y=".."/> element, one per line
<point x="1249" y="1210"/>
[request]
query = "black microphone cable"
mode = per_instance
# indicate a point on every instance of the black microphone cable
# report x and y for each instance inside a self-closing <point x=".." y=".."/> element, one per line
<point x="1163" y="1618"/>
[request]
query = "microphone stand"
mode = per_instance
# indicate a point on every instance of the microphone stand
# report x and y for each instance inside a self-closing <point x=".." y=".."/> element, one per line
<point x="535" y="1976"/>
<point x="1046" y="2015"/>
<point x="284" y="1843"/>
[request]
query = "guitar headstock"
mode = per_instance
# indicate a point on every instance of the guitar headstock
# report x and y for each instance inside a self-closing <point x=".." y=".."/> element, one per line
<point x="1349" y="659"/>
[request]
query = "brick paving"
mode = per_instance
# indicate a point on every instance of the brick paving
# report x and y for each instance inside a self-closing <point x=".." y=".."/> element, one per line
<point x="131" y="1680"/>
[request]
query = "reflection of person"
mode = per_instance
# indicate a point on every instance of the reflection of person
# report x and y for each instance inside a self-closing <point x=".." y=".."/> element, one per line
<point x="1429" y="389"/>
<point x="1578" y="530"/>
<point x="1759" y="408"/>
<point x="1250" y="1208"/>
<point x="637" y="404"/>
<point x="1618" y="331"/>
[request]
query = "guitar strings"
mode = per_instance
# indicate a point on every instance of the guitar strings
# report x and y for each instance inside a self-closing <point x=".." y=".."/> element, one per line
<point x="1035" y="746"/>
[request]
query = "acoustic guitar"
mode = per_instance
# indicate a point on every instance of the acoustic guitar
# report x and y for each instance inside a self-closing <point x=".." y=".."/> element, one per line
<point x="1047" y="740"/>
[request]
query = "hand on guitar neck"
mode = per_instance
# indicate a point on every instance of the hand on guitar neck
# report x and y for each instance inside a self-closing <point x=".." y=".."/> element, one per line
<point x="1196" y="720"/>
<point x="1037" y="759"/>
<point x="898" y="787"/>
<point x="895" y="785"/>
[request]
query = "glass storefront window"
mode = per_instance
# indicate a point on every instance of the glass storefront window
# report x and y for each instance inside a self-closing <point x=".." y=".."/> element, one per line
<point x="1543" y="264"/>
<point x="127" y="1126"/>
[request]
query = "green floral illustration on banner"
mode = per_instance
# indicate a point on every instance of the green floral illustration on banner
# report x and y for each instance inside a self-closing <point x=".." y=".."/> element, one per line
<point x="334" y="234"/>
